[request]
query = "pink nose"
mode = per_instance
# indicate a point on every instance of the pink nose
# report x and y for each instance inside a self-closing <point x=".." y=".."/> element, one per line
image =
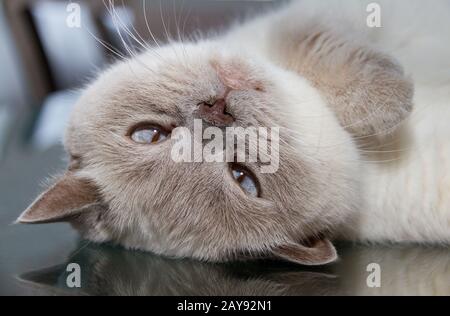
<point x="215" y="114"/>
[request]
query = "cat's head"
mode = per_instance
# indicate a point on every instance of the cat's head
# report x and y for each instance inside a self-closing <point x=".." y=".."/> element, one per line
<point x="123" y="185"/>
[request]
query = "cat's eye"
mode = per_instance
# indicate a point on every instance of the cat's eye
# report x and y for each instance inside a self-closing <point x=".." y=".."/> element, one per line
<point x="147" y="134"/>
<point x="246" y="180"/>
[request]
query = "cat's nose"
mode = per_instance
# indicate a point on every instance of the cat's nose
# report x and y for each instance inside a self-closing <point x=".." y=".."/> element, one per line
<point x="216" y="114"/>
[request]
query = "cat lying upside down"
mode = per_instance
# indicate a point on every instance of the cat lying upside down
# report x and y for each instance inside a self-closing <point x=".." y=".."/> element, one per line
<point x="356" y="161"/>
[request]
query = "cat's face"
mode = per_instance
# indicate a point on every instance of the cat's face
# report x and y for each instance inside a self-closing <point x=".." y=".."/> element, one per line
<point x="125" y="187"/>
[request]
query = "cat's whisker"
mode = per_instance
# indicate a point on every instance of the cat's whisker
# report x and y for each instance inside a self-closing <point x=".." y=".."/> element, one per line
<point x="369" y="115"/>
<point x="119" y="24"/>
<point x="148" y="25"/>
<point x="177" y="28"/>
<point x="364" y="152"/>
<point x="147" y="47"/>
<point x="363" y="159"/>
<point x="177" y="25"/>
<point x="141" y="40"/>
<point x="128" y="32"/>
<point x="166" y="31"/>
<point x="296" y="134"/>
<point x="116" y="25"/>
<point x="415" y="114"/>
<point x="188" y="14"/>
<point x="152" y="35"/>
<point x="380" y="133"/>
<point x="169" y="38"/>
<point x="107" y="46"/>
<point x="79" y="249"/>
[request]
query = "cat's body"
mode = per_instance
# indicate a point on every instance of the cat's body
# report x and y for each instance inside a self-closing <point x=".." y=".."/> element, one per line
<point x="405" y="180"/>
<point x="407" y="198"/>
<point x="355" y="163"/>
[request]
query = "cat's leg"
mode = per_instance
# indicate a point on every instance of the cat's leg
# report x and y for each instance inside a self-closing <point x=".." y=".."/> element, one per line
<point x="367" y="90"/>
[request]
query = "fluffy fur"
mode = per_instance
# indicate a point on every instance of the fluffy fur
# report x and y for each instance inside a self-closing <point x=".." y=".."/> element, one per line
<point x="343" y="103"/>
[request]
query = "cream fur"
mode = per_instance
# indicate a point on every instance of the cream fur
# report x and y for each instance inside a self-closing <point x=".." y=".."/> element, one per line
<point x="406" y="180"/>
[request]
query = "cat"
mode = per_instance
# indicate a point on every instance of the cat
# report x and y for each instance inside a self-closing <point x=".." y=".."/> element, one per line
<point x="364" y="153"/>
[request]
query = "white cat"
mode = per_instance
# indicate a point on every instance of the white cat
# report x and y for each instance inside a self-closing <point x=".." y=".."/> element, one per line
<point x="360" y="158"/>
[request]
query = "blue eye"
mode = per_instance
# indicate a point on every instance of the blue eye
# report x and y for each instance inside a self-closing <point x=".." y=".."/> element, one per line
<point x="246" y="180"/>
<point x="148" y="135"/>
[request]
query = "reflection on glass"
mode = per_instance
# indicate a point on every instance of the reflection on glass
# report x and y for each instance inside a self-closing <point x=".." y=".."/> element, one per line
<point x="107" y="270"/>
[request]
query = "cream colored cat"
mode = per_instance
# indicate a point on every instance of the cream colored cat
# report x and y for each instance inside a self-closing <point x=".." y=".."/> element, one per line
<point x="356" y="161"/>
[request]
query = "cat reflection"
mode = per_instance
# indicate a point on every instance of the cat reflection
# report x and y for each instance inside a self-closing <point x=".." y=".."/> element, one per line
<point x="106" y="270"/>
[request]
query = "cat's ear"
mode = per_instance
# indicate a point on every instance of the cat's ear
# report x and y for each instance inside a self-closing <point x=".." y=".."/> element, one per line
<point x="68" y="197"/>
<point x="317" y="252"/>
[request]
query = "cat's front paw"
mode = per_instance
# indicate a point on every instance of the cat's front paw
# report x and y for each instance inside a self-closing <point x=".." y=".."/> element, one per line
<point x="377" y="99"/>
